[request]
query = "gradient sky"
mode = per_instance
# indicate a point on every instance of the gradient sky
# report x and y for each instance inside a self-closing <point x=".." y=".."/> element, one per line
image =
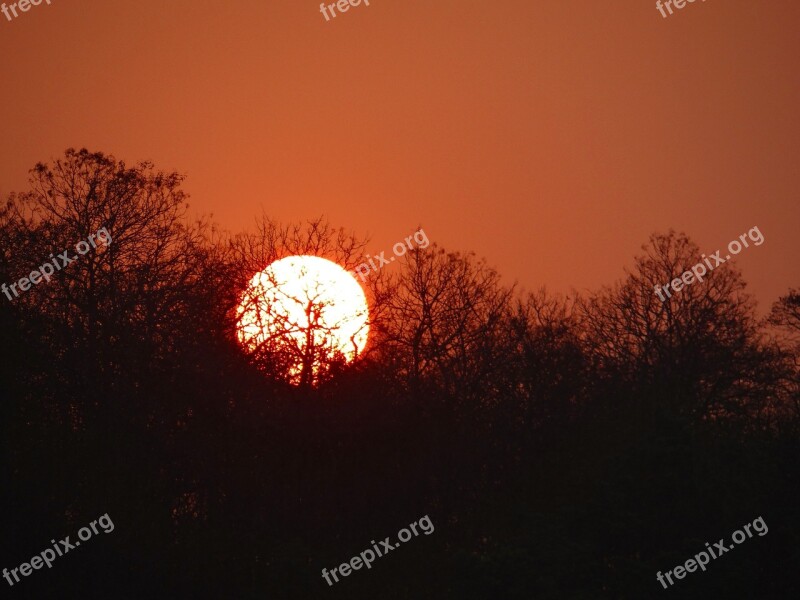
<point x="550" y="137"/>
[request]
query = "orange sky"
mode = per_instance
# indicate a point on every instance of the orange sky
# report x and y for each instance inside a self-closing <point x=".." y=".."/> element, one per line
<point x="550" y="137"/>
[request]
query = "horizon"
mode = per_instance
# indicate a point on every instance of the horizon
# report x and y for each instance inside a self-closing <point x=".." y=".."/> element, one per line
<point x="554" y="162"/>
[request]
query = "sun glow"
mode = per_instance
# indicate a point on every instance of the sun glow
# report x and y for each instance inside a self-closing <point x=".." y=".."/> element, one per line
<point x="302" y="312"/>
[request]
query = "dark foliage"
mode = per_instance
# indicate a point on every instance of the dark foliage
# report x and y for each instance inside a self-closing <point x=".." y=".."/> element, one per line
<point x="563" y="448"/>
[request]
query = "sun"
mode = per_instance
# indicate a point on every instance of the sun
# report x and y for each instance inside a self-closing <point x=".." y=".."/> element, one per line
<point x="302" y="313"/>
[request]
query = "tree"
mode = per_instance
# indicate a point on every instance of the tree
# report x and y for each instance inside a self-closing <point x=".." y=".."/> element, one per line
<point x="551" y="369"/>
<point x="120" y="309"/>
<point x="286" y="334"/>
<point x="785" y="316"/>
<point x="696" y="354"/>
<point x="449" y="326"/>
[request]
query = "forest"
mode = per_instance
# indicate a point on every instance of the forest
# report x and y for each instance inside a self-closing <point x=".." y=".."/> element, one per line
<point x="564" y="446"/>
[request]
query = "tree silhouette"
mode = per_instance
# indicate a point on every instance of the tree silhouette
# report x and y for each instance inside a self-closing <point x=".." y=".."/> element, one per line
<point x="296" y="325"/>
<point x="785" y="316"/>
<point x="292" y="340"/>
<point x="564" y="447"/>
<point x="697" y="353"/>
<point x="449" y="314"/>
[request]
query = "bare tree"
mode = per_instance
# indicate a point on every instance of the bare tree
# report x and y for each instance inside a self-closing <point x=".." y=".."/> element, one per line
<point x="785" y="316"/>
<point x="550" y="367"/>
<point x="696" y="353"/>
<point x="122" y="306"/>
<point x="448" y="324"/>
<point x="291" y="336"/>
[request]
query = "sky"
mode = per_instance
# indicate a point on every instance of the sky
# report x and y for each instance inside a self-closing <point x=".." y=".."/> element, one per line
<point x="551" y="138"/>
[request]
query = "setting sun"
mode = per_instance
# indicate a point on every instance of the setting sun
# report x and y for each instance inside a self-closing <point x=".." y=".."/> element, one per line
<point x="303" y="311"/>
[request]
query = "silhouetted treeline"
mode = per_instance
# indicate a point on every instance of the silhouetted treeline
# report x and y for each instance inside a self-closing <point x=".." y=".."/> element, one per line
<point x="564" y="447"/>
